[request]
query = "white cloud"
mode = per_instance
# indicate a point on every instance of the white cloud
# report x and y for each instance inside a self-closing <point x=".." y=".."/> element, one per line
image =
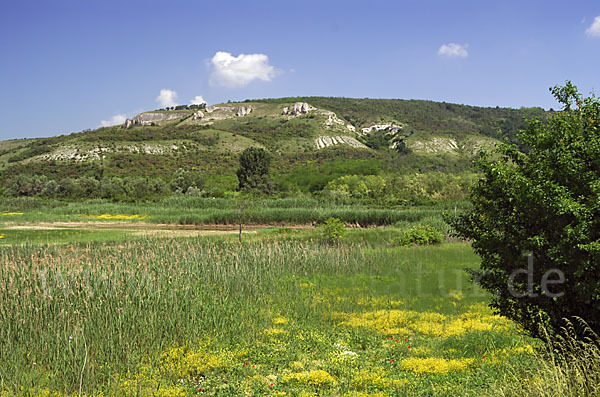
<point x="167" y="98"/>
<point x="198" y="100"/>
<point x="594" y="29"/>
<point x="230" y="71"/>
<point x="453" y="50"/>
<point x="114" y="120"/>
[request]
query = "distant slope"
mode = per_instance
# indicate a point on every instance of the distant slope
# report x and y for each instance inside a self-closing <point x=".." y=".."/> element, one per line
<point x="426" y="116"/>
<point x="300" y="131"/>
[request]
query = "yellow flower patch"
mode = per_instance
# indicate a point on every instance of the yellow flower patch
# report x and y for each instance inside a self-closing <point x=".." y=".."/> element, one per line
<point x="316" y="378"/>
<point x="5" y="213"/>
<point x="181" y="363"/>
<point x="364" y="394"/>
<point x="405" y="322"/>
<point x="500" y="355"/>
<point x="116" y="216"/>
<point x="280" y="321"/>
<point x="151" y="387"/>
<point x="379" y="302"/>
<point x="378" y="379"/>
<point x="435" y="365"/>
<point x="275" y="331"/>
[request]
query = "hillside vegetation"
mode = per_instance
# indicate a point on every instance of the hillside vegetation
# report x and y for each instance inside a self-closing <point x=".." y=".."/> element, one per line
<point x="420" y="150"/>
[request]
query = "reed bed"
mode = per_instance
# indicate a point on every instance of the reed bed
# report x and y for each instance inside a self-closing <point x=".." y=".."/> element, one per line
<point x="189" y="316"/>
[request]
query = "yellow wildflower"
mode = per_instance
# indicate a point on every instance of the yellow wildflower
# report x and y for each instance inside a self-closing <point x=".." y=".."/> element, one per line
<point x="275" y="331"/>
<point x="435" y="364"/>
<point x="405" y="322"/>
<point x="316" y="378"/>
<point x="376" y="380"/>
<point x="117" y="216"/>
<point x="280" y="321"/>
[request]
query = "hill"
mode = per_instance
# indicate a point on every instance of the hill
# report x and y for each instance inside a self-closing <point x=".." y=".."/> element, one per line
<point x="314" y="141"/>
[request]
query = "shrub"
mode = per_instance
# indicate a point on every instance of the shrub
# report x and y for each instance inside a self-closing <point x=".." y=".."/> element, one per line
<point x="357" y="186"/>
<point x="184" y="180"/>
<point x="421" y="235"/>
<point x="542" y="204"/>
<point x="333" y="230"/>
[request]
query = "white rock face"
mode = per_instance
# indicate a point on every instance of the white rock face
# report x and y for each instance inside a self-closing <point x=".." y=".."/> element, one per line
<point x="326" y="141"/>
<point x="243" y="110"/>
<point x="128" y="123"/>
<point x="219" y="108"/>
<point x="435" y="145"/>
<point x="84" y="154"/>
<point x="198" y="115"/>
<point x="299" y="108"/>
<point x="155" y="117"/>
<point x="378" y="127"/>
<point x="332" y="119"/>
<point x="219" y="113"/>
<point x="351" y="127"/>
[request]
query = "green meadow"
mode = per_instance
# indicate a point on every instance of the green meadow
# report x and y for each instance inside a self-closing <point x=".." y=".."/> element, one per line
<point x="104" y="312"/>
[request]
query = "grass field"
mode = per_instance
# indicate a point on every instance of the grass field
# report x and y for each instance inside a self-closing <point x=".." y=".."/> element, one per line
<point x="281" y="314"/>
<point x="186" y="210"/>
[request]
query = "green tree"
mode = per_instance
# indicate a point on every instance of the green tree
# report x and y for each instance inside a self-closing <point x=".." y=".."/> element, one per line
<point x="535" y="219"/>
<point x="183" y="180"/>
<point x="253" y="173"/>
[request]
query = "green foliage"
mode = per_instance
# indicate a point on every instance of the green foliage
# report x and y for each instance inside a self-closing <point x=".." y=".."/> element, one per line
<point x="427" y="116"/>
<point x="315" y="177"/>
<point x="253" y="173"/>
<point x="269" y="131"/>
<point x="34" y="149"/>
<point x="333" y="230"/>
<point x="421" y="235"/>
<point x="114" y="188"/>
<point x="377" y="140"/>
<point x="357" y="186"/>
<point x="184" y="180"/>
<point x="398" y="142"/>
<point x="543" y="204"/>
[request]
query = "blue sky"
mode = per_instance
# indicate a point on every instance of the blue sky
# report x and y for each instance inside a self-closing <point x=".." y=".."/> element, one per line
<point x="69" y="65"/>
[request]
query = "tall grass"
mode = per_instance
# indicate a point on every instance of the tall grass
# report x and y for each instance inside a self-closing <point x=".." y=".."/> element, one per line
<point x="187" y="211"/>
<point x="103" y="317"/>
<point x="566" y="366"/>
<point x="109" y="309"/>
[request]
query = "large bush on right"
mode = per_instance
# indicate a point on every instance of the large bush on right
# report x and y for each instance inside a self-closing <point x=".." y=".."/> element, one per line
<point x="536" y="218"/>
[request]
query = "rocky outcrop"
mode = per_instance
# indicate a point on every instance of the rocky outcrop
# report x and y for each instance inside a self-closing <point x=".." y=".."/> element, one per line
<point x="217" y="113"/>
<point x="298" y="109"/>
<point x="219" y="108"/>
<point x="155" y="117"/>
<point x="434" y="145"/>
<point x="378" y="127"/>
<point x="243" y="110"/>
<point x="332" y="119"/>
<point x="326" y="141"/>
<point x="198" y="115"/>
